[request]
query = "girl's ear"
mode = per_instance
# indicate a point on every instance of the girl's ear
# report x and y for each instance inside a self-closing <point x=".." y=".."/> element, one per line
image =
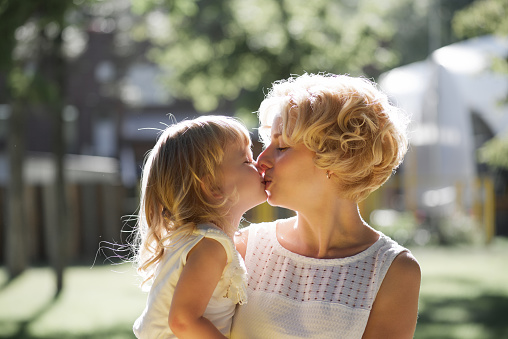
<point x="210" y="189"/>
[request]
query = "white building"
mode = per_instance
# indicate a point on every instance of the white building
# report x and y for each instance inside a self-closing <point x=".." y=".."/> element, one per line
<point x="457" y="102"/>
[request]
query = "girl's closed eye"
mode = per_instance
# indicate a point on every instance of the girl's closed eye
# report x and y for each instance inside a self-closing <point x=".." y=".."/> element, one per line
<point x="248" y="159"/>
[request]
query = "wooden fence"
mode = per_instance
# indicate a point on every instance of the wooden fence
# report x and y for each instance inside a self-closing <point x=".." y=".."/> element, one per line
<point x="95" y="202"/>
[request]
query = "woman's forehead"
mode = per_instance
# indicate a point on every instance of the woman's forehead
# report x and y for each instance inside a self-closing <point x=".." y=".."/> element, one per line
<point x="276" y="128"/>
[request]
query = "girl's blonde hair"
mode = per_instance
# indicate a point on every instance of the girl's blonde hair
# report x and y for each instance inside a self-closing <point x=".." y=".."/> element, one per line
<point x="179" y="176"/>
<point x="350" y="125"/>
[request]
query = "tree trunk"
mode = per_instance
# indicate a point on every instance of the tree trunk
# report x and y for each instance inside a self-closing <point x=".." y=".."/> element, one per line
<point x="57" y="225"/>
<point x="59" y="149"/>
<point x="62" y="226"/>
<point x="15" y="250"/>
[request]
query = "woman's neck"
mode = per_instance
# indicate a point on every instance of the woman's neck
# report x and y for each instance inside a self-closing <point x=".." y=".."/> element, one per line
<point x="333" y="230"/>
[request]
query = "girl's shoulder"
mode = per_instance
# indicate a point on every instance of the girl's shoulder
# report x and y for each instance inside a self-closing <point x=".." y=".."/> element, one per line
<point x="235" y="273"/>
<point x="211" y="231"/>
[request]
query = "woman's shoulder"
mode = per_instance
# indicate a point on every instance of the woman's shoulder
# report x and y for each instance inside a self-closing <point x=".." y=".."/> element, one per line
<point x="400" y="262"/>
<point x="243" y="233"/>
<point x="387" y="244"/>
<point x="406" y="264"/>
<point x="263" y="226"/>
<point x="251" y="232"/>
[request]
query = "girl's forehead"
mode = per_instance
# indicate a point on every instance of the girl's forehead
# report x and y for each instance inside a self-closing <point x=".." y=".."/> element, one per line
<point x="239" y="140"/>
<point x="239" y="149"/>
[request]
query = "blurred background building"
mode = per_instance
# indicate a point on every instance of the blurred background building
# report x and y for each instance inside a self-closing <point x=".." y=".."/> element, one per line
<point x="457" y="103"/>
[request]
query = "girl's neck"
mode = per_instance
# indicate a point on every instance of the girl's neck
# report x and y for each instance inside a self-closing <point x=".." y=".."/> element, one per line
<point x="229" y="225"/>
<point x="233" y="217"/>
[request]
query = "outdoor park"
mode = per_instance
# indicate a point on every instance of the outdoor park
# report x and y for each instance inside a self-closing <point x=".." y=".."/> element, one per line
<point x="86" y="86"/>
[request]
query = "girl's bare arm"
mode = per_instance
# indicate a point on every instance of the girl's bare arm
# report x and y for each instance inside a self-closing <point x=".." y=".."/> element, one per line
<point x="200" y="275"/>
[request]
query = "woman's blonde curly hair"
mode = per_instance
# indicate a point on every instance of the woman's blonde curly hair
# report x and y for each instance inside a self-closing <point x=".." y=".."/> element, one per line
<point x="354" y="131"/>
<point x="179" y="175"/>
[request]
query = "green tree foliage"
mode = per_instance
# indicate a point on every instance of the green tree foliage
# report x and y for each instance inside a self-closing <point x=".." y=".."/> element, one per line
<point x="495" y="152"/>
<point x="233" y="49"/>
<point x="482" y="17"/>
<point x="29" y="29"/>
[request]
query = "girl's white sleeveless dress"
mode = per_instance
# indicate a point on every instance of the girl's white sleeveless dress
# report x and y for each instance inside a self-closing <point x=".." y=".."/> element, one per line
<point x="231" y="289"/>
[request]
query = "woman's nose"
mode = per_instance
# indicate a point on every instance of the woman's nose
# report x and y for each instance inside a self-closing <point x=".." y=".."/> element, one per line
<point x="260" y="168"/>
<point x="263" y="161"/>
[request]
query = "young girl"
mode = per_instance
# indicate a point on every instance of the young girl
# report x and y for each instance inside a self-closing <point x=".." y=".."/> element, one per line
<point x="197" y="182"/>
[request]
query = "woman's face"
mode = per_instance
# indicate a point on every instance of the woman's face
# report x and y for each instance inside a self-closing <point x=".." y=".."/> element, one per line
<point x="291" y="177"/>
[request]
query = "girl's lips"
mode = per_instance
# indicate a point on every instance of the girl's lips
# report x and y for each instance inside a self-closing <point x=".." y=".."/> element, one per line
<point x="267" y="183"/>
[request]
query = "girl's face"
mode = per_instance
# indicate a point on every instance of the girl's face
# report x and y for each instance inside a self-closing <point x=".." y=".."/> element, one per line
<point x="241" y="175"/>
<point x="292" y="180"/>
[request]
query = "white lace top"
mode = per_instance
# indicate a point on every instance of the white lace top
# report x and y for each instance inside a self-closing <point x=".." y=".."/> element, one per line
<point x="292" y="296"/>
<point x="231" y="289"/>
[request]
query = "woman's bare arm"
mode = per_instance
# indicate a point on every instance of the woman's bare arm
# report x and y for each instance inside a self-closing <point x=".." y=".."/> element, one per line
<point x="395" y="309"/>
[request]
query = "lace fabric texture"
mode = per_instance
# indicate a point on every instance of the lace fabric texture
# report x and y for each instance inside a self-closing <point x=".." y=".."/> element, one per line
<point x="234" y="277"/>
<point x="295" y="296"/>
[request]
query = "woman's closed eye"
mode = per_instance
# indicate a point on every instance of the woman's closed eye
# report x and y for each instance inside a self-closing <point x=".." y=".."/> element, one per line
<point x="282" y="149"/>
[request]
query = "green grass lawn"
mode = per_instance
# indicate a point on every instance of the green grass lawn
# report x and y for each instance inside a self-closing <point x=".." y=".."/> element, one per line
<point x="464" y="295"/>
<point x="98" y="302"/>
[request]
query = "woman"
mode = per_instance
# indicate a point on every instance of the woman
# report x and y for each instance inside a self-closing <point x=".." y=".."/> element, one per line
<point x="325" y="273"/>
